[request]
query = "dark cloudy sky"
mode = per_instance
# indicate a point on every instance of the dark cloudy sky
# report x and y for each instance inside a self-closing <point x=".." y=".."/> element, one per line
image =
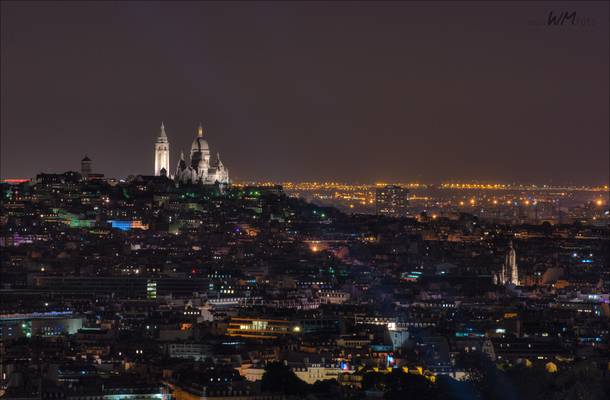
<point x="353" y="92"/>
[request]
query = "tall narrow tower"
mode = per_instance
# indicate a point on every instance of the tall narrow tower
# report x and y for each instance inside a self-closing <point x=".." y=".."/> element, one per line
<point x="511" y="265"/>
<point x="162" y="152"/>
<point x="85" y="167"/>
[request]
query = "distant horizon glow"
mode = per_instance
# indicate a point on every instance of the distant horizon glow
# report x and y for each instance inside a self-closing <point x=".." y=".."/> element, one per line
<point x="474" y="185"/>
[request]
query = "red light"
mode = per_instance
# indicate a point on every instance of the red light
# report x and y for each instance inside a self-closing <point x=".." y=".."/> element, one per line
<point x="15" y="180"/>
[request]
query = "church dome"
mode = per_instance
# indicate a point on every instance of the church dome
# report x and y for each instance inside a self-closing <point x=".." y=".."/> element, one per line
<point x="200" y="144"/>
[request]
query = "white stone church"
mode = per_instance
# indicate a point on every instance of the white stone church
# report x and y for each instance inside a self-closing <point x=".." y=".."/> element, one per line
<point x="201" y="167"/>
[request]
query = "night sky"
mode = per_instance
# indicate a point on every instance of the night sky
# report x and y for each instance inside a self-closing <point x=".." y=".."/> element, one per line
<point x="358" y="92"/>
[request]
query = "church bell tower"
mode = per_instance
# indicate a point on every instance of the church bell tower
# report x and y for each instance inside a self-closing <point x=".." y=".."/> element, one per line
<point x="162" y="153"/>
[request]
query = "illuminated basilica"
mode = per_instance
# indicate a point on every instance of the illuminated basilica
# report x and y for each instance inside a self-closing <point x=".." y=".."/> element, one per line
<point x="201" y="168"/>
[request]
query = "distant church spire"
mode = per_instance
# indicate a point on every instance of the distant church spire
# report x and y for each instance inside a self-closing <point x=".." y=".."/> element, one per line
<point x="512" y="261"/>
<point x="200" y="130"/>
<point x="162" y="152"/>
<point x="510" y="271"/>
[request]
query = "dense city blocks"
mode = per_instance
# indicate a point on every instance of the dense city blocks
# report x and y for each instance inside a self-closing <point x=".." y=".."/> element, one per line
<point x="162" y="289"/>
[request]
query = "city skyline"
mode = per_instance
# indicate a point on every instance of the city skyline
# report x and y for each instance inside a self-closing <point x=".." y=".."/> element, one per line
<point x="397" y="92"/>
<point x="304" y="200"/>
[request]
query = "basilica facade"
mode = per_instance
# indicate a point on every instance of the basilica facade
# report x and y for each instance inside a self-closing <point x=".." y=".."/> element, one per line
<point x="201" y="168"/>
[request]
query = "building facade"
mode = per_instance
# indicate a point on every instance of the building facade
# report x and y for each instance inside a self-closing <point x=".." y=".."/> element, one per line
<point x="392" y="201"/>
